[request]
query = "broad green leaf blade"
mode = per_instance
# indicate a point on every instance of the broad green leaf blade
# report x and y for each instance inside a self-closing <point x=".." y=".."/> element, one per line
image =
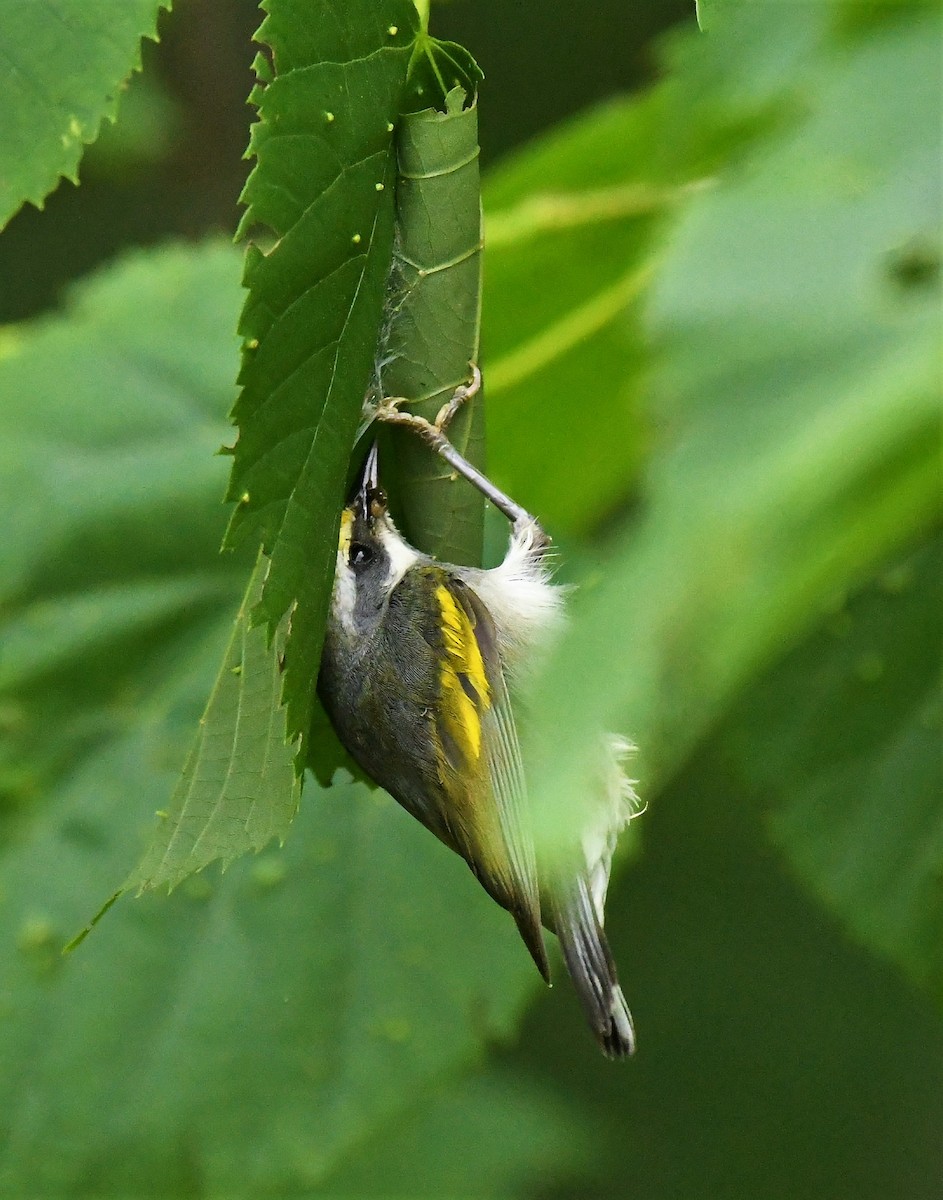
<point x="64" y="64"/>
<point x="323" y="187"/>
<point x="110" y="491"/>
<point x="434" y="324"/>
<point x="583" y="206"/>
<point x="546" y="346"/>
<point x="66" y="660"/>
<point x="329" y="980"/>
<point x="802" y="382"/>
<point x="484" y="1135"/>
<point x="238" y="789"/>
<point x="71" y="614"/>
<point x="841" y="745"/>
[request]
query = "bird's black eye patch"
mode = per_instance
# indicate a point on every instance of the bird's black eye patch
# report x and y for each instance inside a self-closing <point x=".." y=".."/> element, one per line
<point x="360" y="555"/>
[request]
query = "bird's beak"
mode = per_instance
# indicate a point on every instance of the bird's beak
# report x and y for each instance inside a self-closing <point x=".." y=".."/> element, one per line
<point x="367" y="489"/>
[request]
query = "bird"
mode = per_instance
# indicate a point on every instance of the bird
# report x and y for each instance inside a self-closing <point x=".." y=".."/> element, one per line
<point x="420" y="663"/>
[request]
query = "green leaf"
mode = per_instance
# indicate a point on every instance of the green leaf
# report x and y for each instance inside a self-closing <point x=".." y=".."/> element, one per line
<point x="841" y="744"/>
<point x="545" y="344"/>
<point x="485" y="1134"/>
<point x="437" y="69"/>
<point x="329" y="979"/>
<point x="64" y="64"/>
<point x="111" y="494"/>
<point x="567" y="366"/>
<point x="434" y="324"/>
<point x="84" y="644"/>
<point x="86" y="601"/>
<point x="589" y="206"/>
<point x="323" y="187"/>
<point x="238" y="790"/>
<point x="800" y="397"/>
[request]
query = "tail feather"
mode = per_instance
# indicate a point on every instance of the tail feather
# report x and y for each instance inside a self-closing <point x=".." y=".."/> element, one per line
<point x="593" y="971"/>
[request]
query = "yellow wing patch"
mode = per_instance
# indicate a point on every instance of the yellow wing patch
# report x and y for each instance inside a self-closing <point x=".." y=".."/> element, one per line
<point x="465" y="689"/>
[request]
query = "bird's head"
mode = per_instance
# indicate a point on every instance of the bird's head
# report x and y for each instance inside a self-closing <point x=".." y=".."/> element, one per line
<point x="372" y="555"/>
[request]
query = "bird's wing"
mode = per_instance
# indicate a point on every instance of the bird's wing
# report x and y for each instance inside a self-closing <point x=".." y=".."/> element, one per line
<point x="480" y="761"/>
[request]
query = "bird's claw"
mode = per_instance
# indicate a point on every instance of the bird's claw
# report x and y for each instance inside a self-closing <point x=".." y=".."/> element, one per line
<point x="464" y="392"/>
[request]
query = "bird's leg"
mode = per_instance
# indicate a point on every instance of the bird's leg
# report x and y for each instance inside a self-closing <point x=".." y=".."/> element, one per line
<point x="432" y="432"/>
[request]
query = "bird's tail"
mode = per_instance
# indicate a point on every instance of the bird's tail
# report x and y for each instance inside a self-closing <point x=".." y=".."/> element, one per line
<point x="592" y="969"/>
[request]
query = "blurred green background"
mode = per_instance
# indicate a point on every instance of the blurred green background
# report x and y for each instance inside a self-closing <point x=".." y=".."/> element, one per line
<point x="744" y="434"/>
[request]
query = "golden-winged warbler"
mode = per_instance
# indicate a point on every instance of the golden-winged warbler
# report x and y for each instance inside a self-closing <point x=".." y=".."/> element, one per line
<point x="419" y="661"/>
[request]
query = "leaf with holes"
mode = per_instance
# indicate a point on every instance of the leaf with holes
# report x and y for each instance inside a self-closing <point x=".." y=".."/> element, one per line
<point x="323" y="186"/>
